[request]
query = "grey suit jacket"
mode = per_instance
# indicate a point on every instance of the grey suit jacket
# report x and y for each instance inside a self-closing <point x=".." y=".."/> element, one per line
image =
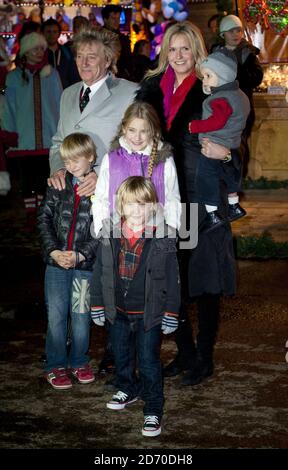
<point x="100" y="118"/>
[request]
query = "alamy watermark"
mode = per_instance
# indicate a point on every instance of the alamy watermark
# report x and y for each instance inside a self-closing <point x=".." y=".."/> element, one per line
<point x="184" y="216"/>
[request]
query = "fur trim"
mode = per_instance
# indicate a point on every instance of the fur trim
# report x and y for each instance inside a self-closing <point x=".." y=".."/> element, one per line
<point x="164" y="150"/>
<point x="46" y="71"/>
<point x="30" y="41"/>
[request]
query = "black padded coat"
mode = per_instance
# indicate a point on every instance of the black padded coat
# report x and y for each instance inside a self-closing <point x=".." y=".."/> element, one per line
<point x="55" y="220"/>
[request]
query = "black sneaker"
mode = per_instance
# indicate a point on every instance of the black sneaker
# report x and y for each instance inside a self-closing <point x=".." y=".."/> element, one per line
<point x="151" y="426"/>
<point x="212" y="221"/>
<point x="235" y="212"/>
<point x="120" y="400"/>
<point x="201" y="371"/>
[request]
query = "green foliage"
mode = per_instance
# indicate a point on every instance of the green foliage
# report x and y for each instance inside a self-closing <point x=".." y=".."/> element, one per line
<point x="263" y="183"/>
<point x="260" y="247"/>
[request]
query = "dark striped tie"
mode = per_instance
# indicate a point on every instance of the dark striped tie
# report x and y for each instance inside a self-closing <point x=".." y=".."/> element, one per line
<point x="84" y="100"/>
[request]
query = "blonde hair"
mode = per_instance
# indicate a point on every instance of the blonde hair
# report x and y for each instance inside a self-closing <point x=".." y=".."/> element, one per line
<point x="108" y="39"/>
<point x="78" y="145"/>
<point x="135" y="189"/>
<point x="196" y="42"/>
<point x="146" y="112"/>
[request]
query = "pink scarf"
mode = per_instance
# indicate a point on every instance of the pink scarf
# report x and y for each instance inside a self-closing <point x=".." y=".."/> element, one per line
<point x="173" y="101"/>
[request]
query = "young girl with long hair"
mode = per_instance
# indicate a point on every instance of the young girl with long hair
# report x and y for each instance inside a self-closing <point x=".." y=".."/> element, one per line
<point x="137" y="150"/>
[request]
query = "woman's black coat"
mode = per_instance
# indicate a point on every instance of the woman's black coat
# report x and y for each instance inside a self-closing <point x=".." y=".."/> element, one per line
<point x="212" y="263"/>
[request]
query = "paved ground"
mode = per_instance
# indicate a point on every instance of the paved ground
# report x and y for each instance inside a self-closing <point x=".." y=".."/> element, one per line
<point x="267" y="210"/>
<point x="243" y="406"/>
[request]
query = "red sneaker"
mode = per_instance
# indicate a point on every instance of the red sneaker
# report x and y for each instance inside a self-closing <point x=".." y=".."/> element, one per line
<point x="59" y="379"/>
<point x="84" y="374"/>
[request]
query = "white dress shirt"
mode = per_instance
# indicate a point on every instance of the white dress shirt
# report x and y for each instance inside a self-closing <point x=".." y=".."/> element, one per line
<point x="95" y="87"/>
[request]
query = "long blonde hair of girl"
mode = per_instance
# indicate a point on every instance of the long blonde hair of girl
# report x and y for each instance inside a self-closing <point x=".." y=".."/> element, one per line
<point x="196" y="42"/>
<point x="146" y="112"/>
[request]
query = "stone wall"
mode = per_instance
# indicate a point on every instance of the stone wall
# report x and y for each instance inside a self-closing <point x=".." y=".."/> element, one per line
<point x="269" y="139"/>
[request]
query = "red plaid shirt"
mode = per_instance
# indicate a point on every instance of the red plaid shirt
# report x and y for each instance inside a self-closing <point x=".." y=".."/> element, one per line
<point x="131" y="247"/>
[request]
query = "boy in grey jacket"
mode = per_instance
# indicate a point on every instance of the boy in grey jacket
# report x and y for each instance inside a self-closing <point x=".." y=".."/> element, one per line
<point x="224" y="117"/>
<point x="136" y="288"/>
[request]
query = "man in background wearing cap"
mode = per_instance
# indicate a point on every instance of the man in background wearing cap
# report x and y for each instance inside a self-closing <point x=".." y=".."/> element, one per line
<point x="249" y="70"/>
<point x="224" y="117"/>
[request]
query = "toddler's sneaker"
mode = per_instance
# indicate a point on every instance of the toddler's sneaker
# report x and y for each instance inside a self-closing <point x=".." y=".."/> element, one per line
<point x="152" y="426"/>
<point x="59" y="379"/>
<point x="84" y="374"/>
<point x="235" y="211"/>
<point x="212" y="221"/>
<point x="120" y="400"/>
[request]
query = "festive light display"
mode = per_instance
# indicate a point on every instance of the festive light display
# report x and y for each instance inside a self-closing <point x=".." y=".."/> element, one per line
<point x="275" y="76"/>
<point x="253" y="11"/>
<point x="175" y="9"/>
<point x="271" y="14"/>
<point x="69" y="3"/>
<point x="278" y="15"/>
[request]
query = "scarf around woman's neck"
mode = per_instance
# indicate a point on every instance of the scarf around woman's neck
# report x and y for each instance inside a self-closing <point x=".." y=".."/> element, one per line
<point x="173" y="101"/>
<point x="34" y="68"/>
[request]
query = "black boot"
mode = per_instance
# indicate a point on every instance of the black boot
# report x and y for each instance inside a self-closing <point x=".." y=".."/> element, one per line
<point x="202" y="370"/>
<point x="175" y="367"/>
<point x="208" y="320"/>
<point x="186" y="349"/>
<point x="111" y="385"/>
<point x="107" y="364"/>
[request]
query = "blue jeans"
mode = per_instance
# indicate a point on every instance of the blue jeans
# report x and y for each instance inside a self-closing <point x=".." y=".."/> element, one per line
<point x="127" y="337"/>
<point x="208" y="176"/>
<point x="67" y="292"/>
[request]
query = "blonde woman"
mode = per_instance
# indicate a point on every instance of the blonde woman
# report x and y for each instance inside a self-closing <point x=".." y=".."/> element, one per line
<point x="175" y="91"/>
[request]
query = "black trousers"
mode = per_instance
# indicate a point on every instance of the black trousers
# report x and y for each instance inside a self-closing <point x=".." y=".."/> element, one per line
<point x="208" y="313"/>
<point x="245" y="151"/>
<point x="31" y="172"/>
<point x="210" y="172"/>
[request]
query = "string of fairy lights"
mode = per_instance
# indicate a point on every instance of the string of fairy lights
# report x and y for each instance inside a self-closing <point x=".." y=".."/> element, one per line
<point x="93" y="3"/>
<point x="77" y="4"/>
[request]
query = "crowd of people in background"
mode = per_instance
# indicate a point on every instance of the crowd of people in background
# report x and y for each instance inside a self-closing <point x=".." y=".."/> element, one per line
<point x="122" y="141"/>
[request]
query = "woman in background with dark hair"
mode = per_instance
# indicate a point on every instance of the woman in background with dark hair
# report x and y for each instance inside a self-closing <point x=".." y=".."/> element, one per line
<point x="141" y="59"/>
